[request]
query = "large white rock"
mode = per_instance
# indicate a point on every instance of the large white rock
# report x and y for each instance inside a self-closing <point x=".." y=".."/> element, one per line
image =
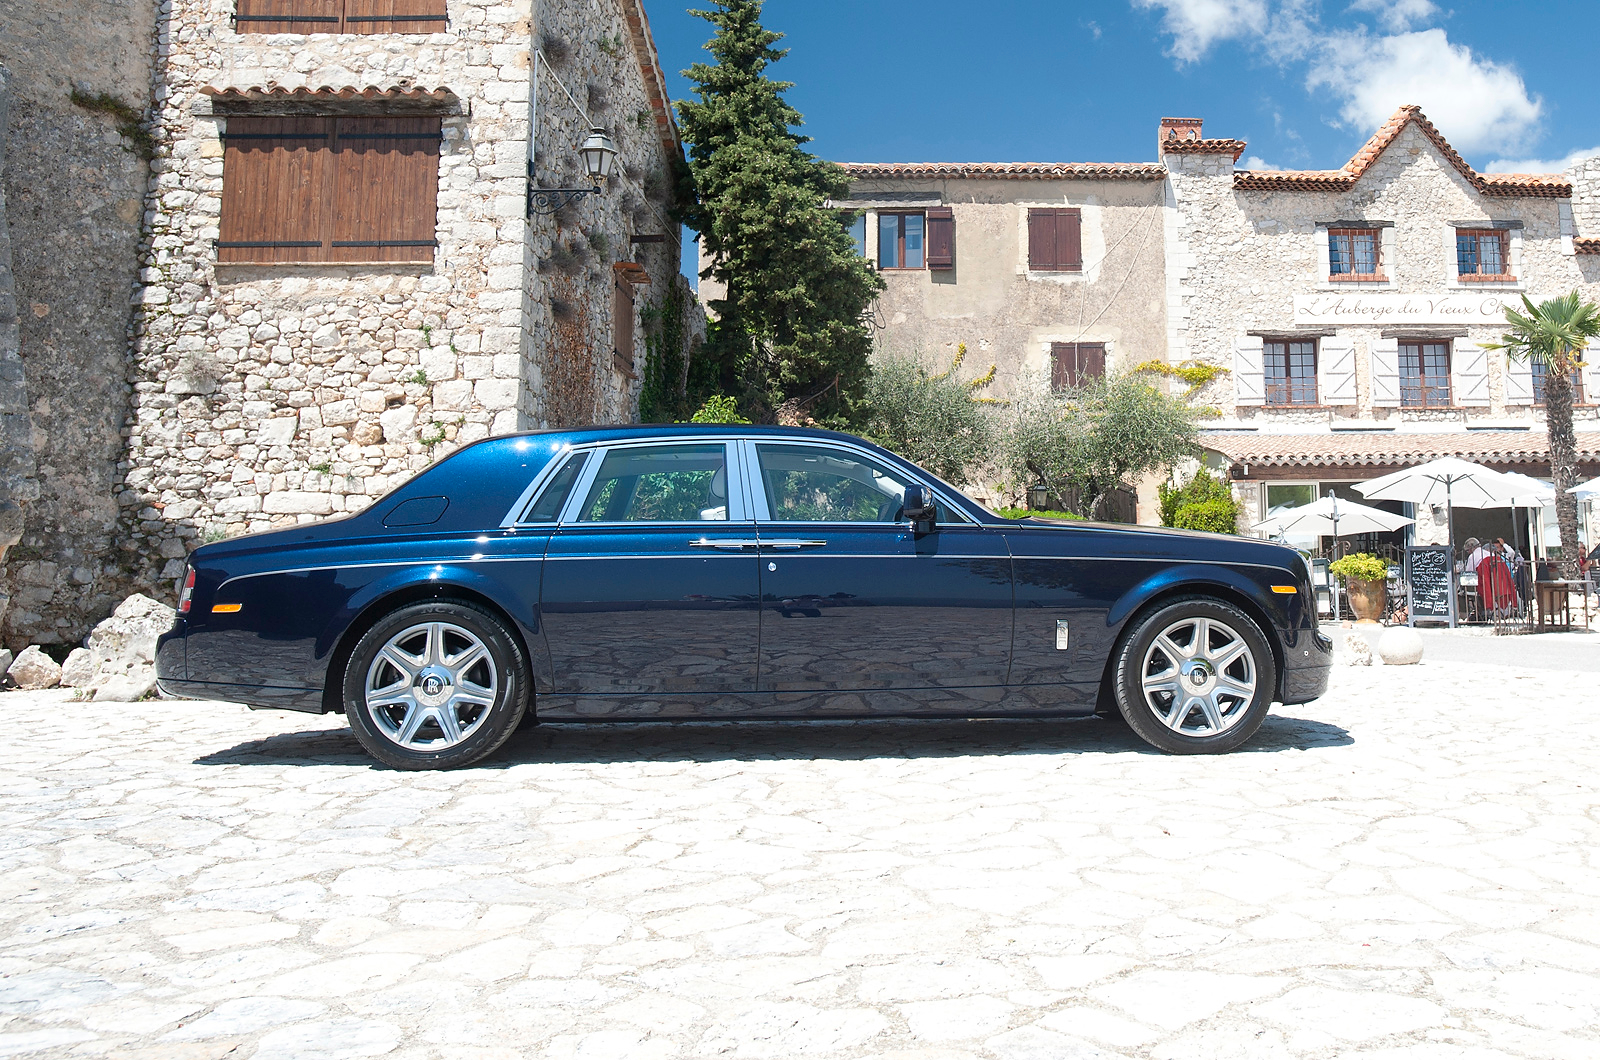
<point x="6" y="657"/>
<point x="78" y="670"/>
<point x="122" y="649"/>
<point x="1400" y="646"/>
<point x="34" y="670"/>
<point x="1355" y="651"/>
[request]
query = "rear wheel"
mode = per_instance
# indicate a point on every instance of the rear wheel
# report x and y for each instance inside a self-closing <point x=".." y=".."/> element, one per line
<point x="435" y="685"/>
<point x="1195" y="677"/>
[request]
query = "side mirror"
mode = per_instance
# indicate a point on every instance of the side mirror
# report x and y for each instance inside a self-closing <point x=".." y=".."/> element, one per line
<point x="918" y="507"/>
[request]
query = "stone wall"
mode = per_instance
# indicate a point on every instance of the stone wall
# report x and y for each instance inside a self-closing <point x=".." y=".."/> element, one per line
<point x="17" y="483"/>
<point x="73" y="184"/>
<point x="1248" y="253"/>
<point x="267" y="395"/>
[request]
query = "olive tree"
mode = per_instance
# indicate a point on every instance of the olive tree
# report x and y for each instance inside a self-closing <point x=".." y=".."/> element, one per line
<point x="935" y="420"/>
<point x="1083" y="443"/>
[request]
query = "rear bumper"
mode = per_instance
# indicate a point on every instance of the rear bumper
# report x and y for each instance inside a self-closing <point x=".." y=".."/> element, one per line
<point x="1307" y="662"/>
<point x="256" y="697"/>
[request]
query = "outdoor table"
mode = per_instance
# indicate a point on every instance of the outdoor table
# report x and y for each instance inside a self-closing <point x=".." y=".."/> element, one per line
<point x="1555" y="597"/>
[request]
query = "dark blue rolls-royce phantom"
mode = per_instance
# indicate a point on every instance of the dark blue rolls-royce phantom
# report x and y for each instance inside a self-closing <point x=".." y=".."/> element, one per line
<point x="642" y="573"/>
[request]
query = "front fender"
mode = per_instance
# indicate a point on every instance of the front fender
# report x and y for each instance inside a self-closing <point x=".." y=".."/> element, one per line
<point x="1200" y="576"/>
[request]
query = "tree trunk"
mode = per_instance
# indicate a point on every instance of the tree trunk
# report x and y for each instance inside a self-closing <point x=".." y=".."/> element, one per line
<point x="1563" y="459"/>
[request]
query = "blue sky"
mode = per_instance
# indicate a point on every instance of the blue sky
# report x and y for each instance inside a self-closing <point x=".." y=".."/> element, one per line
<point x="1304" y="81"/>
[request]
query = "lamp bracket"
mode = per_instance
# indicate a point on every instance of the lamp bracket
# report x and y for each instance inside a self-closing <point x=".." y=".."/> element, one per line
<point x="546" y="201"/>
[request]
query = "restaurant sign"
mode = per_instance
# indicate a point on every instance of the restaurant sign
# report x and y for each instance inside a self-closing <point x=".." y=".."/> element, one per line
<point x="1364" y="308"/>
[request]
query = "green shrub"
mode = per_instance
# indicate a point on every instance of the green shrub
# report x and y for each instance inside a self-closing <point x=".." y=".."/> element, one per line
<point x="1360" y="566"/>
<point x="1025" y="513"/>
<point x="1215" y="516"/>
<point x="719" y="409"/>
<point x="1203" y="488"/>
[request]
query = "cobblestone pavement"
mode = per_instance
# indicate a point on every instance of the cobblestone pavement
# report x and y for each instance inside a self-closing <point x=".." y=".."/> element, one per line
<point x="1406" y="868"/>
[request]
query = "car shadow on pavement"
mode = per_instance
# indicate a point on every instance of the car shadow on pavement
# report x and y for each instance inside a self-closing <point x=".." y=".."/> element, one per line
<point x="600" y="743"/>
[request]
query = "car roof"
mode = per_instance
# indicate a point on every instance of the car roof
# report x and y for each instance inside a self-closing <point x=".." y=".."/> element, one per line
<point x="662" y="430"/>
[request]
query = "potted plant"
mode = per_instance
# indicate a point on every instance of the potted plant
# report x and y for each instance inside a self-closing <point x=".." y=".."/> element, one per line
<point x="1364" y="576"/>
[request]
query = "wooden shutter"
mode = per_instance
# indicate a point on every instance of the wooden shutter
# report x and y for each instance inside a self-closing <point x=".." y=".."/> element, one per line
<point x="274" y="189"/>
<point x="1042" y="240"/>
<point x="288" y="16"/>
<point x="395" y="16"/>
<point x="1590" y="375"/>
<point x="385" y="189"/>
<point x="1519" y="382"/>
<point x="1336" y="371"/>
<point x="1386" y="373"/>
<point x="1469" y="365"/>
<point x="941" y="237"/>
<point x="622" y="321"/>
<point x="1072" y="364"/>
<point x="1249" y="375"/>
<point x="1069" y="240"/>
<point x="1055" y="240"/>
<point x="1091" y="361"/>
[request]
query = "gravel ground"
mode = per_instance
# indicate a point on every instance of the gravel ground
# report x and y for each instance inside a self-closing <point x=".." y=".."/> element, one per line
<point x="1406" y="868"/>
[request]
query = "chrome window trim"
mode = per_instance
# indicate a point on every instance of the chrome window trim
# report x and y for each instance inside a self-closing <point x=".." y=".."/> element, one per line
<point x="591" y="471"/>
<point x="763" y="515"/>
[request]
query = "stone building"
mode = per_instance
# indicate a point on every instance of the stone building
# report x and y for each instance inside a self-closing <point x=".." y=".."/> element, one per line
<point x="1349" y="307"/>
<point x="73" y="174"/>
<point x="346" y="271"/>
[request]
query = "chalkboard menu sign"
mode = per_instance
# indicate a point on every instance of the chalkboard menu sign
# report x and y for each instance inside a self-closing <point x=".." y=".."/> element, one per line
<point x="1431" y="593"/>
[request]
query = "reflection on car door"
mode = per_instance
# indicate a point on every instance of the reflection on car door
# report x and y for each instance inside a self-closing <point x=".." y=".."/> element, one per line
<point x="650" y="580"/>
<point x="852" y="599"/>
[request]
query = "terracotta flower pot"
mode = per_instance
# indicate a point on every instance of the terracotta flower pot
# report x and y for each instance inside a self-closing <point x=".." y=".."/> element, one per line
<point x="1367" y="598"/>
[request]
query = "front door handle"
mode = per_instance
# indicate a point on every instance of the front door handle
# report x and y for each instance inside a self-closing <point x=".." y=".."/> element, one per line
<point x="792" y="544"/>
<point x="727" y="544"/>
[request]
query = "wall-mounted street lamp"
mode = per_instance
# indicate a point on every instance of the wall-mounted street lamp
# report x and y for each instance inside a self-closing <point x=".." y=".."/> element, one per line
<point x="599" y="154"/>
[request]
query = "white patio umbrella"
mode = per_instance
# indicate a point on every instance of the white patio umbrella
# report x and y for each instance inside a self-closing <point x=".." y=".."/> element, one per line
<point x="1449" y="480"/>
<point x="1333" y="516"/>
<point x="1587" y="490"/>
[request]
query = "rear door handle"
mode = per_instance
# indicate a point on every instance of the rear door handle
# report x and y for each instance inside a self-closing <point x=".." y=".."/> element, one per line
<point x="792" y="544"/>
<point x="727" y="545"/>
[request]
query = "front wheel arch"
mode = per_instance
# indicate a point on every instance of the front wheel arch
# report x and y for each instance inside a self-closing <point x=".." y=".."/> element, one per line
<point x="333" y="684"/>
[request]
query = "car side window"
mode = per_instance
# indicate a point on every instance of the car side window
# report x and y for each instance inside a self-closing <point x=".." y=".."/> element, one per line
<point x="546" y="508"/>
<point x="659" y="484"/>
<point x="818" y="484"/>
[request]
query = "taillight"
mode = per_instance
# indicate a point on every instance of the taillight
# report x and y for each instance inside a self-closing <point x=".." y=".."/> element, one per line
<point x="186" y="596"/>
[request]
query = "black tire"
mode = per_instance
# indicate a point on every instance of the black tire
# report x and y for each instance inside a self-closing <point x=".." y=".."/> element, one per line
<point x="1195" y="730"/>
<point x="500" y="676"/>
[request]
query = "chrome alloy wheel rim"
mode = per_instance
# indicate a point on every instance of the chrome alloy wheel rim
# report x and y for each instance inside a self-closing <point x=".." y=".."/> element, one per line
<point x="1199" y="677"/>
<point x="431" y="686"/>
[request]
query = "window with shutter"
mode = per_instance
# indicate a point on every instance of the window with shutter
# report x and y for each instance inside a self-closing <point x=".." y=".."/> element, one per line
<point x="1055" y="240"/>
<point x="622" y="321"/>
<point x="1483" y="254"/>
<point x="901" y="240"/>
<point x="319" y="189"/>
<point x="1290" y="372"/>
<point x="341" y="16"/>
<point x="941" y="237"/>
<point x="1072" y="364"/>
<point x="1425" y="375"/>
<point x="385" y="189"/>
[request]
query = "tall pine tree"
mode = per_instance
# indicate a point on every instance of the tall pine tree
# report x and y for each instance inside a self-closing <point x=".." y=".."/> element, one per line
<point x="790" y="338"/>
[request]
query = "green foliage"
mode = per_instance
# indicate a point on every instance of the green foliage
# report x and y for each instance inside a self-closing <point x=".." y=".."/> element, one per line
<point x="1360" y="566"/>
<point x="936" y="421"/>
<point x="1084" y="443"/>
<point x="718" y="409"/>
<point x="130" y="123"/>
<point x="1554" y="333"/>
<point x="662" y="395"/>
<point x="1216" y="517"/>
<point x="790" y="338"/>
<point x="1202" y="488"/>
<point x="420" y="377"/>
<point x="1029" y="513"/>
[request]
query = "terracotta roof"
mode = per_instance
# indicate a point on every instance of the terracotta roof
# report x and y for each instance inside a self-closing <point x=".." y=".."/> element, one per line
<point x="1534" y="185"/>
<point x="1004" y="170"/>
<point x="1204" y="147"/>
<point x="1586" y="246"/>
<point x="1391" y="448"/>
<point x="277" y="93"/>
<point x="655" y="82"/>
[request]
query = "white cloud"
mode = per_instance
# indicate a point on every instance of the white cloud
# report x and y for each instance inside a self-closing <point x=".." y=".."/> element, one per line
<point x="1398" y="16"/>
<point x="1257" y="162"/>
<point x="1535" y="165"/>
<point x="1478" y="104"/>
<point x="1282" y="28"/>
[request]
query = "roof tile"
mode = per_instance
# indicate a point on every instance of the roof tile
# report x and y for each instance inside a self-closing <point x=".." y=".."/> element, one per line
<point x="1004" y="170"/>
<point x="1391" y="448"/>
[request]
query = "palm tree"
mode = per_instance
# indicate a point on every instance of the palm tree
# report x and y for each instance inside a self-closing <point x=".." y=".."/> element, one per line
<point x="1554" y="333"/>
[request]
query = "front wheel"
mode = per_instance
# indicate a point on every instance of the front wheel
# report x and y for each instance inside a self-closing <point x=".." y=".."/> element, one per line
<point x="1196" y="676"/>
<point x="436" y="685"/>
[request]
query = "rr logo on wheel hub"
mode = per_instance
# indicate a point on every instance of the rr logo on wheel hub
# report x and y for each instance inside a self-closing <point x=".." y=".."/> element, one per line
<point x="432" y="685"/>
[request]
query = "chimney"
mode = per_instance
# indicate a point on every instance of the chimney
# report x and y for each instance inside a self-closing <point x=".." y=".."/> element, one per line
<point x="1178" y="129"/>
